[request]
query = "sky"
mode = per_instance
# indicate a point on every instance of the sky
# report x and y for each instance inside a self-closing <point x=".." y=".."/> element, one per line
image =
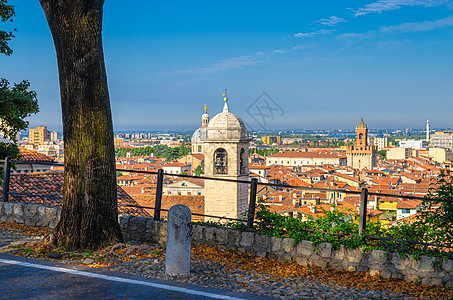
<point x="310" y="64"/>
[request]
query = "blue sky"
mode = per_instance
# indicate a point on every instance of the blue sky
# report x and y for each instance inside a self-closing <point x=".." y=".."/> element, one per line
<point x="324" y="63"/>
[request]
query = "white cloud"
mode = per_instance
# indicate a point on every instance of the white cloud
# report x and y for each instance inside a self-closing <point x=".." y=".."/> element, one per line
<point x="332" y="21"/>
<point x="314" y="33"/>
<point x="304" y="35"/>
<point x="419" y="26"/>
<point x="385" y="5"/>
<point x="220" y="66"/>
<point x="279" y="51"/>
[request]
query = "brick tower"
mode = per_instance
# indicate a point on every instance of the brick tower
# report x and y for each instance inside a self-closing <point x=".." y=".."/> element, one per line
<point x="361" y="155"/>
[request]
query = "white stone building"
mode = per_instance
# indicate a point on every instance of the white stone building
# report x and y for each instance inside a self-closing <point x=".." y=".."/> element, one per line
<point x="225" y="146"/>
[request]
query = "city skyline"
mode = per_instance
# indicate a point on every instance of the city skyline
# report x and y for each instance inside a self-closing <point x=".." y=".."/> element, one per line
<point x="325" y="64"/>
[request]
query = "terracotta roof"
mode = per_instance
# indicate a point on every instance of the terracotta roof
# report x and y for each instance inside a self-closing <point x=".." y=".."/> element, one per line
<point x="194" y="202"/>
<point x="50" y="184"/>
<point x="31" y="155"/>
<point x="174" y="164"/>
<point x="198" y="156"/>
<point x="314" y="154"/>
<point x="408" y="204"/>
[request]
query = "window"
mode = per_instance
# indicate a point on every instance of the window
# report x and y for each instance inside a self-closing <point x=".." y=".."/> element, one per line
<point x="406" y="211"/>
<point x="220" y="161"/>
<point x="199" y="148"/>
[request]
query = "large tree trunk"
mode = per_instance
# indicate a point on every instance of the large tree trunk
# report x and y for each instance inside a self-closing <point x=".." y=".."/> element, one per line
<point x="89" y="217"/>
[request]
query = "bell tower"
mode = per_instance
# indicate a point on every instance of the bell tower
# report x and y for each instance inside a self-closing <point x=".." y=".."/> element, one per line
<point x="361" y="155"/>
<point x="362" y="134"/>
<point x="226" y="156"/>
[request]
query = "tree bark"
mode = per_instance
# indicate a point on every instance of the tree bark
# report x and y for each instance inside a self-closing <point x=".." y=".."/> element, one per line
<point x="89" y="217"/>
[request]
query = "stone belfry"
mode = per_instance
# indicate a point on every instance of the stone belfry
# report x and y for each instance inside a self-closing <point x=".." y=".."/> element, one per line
<point x="361" y="155"/>
<point x="226" y="149"/>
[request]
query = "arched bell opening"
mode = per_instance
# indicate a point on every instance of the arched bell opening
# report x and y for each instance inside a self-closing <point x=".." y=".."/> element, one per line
<point x="220" y="161"/>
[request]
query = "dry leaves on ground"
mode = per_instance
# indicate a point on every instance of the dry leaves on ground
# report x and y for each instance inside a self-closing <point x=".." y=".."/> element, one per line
<point x="362" y="280"/>
<point x="122" y="253"/>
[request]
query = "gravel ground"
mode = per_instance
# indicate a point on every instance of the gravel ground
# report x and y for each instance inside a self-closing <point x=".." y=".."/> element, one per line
<point x="212" y="274"/>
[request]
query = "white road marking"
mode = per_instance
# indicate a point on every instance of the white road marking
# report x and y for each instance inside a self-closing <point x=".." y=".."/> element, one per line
<point x="118" y="279"/>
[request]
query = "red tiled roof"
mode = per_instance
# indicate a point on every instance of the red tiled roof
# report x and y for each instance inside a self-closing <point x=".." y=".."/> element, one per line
<point x="31" y="155"/>
<point x="194" y="202"/>
<point x="317" y="154"/>
<point x="408" y="204"/>
<point x="50" y="184"/>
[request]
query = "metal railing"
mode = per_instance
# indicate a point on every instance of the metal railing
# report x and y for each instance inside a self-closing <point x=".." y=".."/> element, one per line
<point x="250" y="221"/>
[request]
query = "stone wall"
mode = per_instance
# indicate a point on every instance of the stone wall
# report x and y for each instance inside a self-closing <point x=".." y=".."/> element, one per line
<point x="29" y="214"/>
<point x="427" y="270"/>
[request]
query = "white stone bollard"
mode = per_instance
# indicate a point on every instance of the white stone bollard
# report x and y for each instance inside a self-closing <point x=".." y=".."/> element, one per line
<point x="177" y="254"/>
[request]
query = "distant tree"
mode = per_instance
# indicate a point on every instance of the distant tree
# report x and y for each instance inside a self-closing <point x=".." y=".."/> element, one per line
<point x="198" y="170"/>
<point x="382" y="153"/>
<point x="183" y="150"/>
<point x="89" y="216"/>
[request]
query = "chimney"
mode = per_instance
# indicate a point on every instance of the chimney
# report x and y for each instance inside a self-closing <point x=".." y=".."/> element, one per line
<point x="317" y="201"/>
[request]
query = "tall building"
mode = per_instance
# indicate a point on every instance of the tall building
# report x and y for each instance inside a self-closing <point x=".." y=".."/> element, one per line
<point x="54" y="136"/>
<point x="225" y="146"/>
<point x="38" y="135"/>
<point x="427" y="131"/>
<point x="361" y="155"/>
<point x="380" y="142"/>
<point x="442" y="139"/>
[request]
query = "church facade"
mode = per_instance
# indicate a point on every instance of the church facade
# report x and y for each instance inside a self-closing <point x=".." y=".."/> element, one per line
<point x="223" y="141"/>
<point x="361" y="155"/>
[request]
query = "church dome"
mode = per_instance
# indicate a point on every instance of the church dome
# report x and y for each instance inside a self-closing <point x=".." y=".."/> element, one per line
<point x="200" y="133"/>
<point x="226" y="125"/>
<point x="362" y="125"/>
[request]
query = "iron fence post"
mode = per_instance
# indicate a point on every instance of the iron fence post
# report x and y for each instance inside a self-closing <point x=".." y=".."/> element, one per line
<point x="158" y="204"/>
<point x="6" y="177"/>
<point x="252" y="204"/>
<point x="363" y="210"/>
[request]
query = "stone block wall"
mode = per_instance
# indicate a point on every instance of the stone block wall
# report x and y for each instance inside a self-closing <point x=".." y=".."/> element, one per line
<point x="29" y="214"/>
<point x="427" y="270"/>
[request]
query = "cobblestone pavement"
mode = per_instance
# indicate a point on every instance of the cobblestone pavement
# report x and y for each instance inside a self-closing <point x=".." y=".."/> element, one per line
<point x="208" y="273"/>
<point x="23" y="278"/>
